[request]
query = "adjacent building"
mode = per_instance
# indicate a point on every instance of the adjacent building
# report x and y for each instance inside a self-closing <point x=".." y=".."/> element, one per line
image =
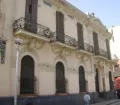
<point x="114" y="45"/>
<point x="64" y="50"/>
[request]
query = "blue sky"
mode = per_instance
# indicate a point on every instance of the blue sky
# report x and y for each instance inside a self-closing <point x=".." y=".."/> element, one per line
<point x="107" y="10"/>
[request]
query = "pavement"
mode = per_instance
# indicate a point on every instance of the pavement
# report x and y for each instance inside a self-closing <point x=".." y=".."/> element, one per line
<point x="110" y="102"/>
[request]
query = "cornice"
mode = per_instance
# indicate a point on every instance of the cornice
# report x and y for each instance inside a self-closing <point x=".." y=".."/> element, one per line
<point x="81" y="16"/>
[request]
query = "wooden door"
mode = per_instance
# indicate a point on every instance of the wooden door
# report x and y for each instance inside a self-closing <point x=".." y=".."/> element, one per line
<point x="60" y="78"/>
<point x="27" y="75"/>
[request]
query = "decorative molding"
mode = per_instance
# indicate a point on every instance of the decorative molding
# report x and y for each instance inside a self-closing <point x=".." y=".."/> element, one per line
<point x="82" y="57"/>
<point x="62" y="2"/>
<point x="47" y="3"/>
<point x="109" y="64"/>
<point x="27" y="49"/>
<point x="30" y="44"/>
<point x="99" y="63"/>
<point x="70" y="16"/>
<point x="61" y="51"/>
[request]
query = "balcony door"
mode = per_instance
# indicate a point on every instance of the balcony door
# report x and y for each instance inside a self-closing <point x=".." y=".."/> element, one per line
<point x="31" y="15"/>
<point x="27" y="75"/>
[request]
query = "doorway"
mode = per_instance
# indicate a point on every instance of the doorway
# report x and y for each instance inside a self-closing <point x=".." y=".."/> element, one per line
<point x="60" y="78"/>
<point x="27" y="75"/>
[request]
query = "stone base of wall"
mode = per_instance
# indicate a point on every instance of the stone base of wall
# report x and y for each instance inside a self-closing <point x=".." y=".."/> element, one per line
<point x="74" y="99"/>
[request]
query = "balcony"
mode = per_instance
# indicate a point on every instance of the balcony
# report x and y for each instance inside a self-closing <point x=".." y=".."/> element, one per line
<point x="103" y="53"/>
<point x="68" y="41"/>
<point x="24" y="26"/>
<point x="88" y="48"/>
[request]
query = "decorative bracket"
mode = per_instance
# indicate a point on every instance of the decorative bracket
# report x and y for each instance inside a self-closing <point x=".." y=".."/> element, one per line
<point x="61" y="51"/>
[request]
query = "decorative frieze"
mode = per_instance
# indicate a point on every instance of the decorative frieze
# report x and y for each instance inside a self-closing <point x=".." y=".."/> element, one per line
<point x="70" y="16"/>
<point x="82" y="57"/>
<point x="61" y="51"/>
<point x="47" y="3"/>
<point x="30" y="44"/>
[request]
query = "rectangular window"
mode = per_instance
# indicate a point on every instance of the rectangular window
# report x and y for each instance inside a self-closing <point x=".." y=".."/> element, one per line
<point x="96" y="44"/>
<point x="80" y="36"/>
<point x="108" y="49"/>
<point x="60" y="26"/>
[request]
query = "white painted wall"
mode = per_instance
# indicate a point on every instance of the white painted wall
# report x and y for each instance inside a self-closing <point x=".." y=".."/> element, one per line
<point x="115" y="44"/>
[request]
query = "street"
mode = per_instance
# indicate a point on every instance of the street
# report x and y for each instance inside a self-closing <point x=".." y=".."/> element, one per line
<point x="117" y="103"/>
<point x="109" y="102"/>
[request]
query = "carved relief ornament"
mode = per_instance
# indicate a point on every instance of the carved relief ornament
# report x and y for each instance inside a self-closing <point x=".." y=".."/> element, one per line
<point x="99" y="63"/>
<point x="82" y="57"/>
<point x="61" y="51"/>
<point x="30" y="44"/>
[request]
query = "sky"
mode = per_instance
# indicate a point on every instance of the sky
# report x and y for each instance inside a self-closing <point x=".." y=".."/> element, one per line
<point x="107" y="10"/>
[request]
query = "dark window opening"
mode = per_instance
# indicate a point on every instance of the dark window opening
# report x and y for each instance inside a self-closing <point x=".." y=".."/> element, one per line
<point x="30" y="9"/>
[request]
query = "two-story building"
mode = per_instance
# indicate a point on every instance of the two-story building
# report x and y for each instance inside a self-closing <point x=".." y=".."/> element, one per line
<point x="64" y="51"/>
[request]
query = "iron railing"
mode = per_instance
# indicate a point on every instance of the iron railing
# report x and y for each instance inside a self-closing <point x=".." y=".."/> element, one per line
<point x="88" y="48"/>
<point x="67" y="40"/>
<point x="41" y="30"/>
<point x="27" y="25"/>
<point x="103" y="53"/>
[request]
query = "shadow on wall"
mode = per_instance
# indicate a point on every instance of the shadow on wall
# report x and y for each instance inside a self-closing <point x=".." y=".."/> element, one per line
<point x="74" y="99"/>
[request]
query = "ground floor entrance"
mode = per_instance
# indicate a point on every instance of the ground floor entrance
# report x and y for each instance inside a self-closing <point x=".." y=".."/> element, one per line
<point x="27" y="75"/>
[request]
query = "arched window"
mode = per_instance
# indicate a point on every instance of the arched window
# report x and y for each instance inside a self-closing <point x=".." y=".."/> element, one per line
<point x="110" y="81"/>
<point x="97" y="80"/>
<point x="2" y="51"/>
<point x="27" y="75"/>
<point x="60" y="78"/>
<point x="82" y="82"/>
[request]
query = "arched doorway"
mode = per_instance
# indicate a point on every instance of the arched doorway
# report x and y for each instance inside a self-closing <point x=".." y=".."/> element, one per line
<point x="27" y="75"/>
<point x="110" y="80"/>
<point x="97" y="81"/>
<point x="60" y="78"/>
<point x="82" y="82"/>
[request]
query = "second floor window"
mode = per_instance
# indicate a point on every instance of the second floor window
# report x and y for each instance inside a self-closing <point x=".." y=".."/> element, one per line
<point x="96" y="43"/>
<point x="60" y="26"/>
<point x="80" y="36"/>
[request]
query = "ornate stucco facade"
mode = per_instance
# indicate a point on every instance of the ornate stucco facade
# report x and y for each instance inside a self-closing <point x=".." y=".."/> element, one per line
<point x="46" y="51"/>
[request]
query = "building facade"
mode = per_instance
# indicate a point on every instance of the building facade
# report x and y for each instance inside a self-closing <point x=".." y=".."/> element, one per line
<point x="114" y="42"/>
<point x="64" y="50"/>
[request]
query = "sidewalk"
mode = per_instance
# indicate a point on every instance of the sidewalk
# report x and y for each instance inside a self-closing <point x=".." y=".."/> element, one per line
<point x="107" y="102"/>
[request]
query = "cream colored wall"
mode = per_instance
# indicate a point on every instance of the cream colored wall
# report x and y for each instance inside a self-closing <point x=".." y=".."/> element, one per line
<point x="71" y="27"/>
<point x="7" y="18"/>
<point x="20" y="9"/>
<point x="46" y="60"/>
<point x="47" y="15"/>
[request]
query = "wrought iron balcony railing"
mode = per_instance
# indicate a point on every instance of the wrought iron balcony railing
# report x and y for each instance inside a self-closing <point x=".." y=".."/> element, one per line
<point x="67" y="40"/>
<point x="103" y="53"/>
<point x="27" y="25"/>
<point x="88" y="48"/>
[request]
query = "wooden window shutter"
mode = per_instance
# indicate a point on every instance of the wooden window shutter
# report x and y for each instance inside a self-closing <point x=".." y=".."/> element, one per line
<point x="34" y="15"/>
<point x="96" y="45"/>
<point x="108" y="49"/>
<point x="27" y="14"/>
<point x="80" y="36"/>
<point x="60" y="26"/>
